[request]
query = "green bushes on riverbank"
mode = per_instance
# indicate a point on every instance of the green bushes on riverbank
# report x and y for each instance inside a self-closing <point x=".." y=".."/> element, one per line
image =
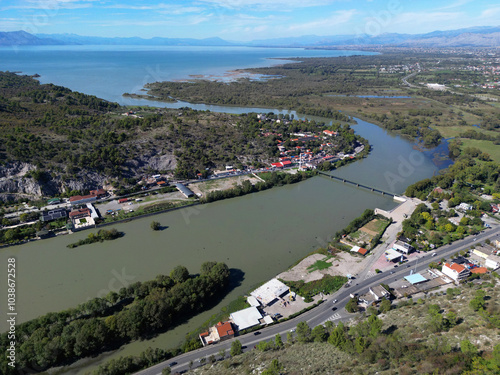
<point x="102" y="235"/>
<point x="101" y="324"/>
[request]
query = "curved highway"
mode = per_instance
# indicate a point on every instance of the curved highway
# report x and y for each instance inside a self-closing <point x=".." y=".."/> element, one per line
<point x="321" y="313"/>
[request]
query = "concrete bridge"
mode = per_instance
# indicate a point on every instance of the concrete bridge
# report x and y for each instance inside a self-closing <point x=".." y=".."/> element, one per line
<point x="370" y="188"/>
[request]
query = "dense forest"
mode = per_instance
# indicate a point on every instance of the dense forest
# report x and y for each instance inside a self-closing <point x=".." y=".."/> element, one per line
<point x="137" y="311"/>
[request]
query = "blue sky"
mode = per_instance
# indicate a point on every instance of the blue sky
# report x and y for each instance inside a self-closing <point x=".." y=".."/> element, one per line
<point x="243" y="19"/>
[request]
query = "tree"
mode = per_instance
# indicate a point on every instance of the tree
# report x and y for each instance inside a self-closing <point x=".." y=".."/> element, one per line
<point x="303" y="332"/>
<point x="166" y="371"/>
<point x="337" y="337"/>
<point x="385" y="306"/>
<point x="360" y="344"/>
<point x="274" y="368"/>
<point x="155" y="225"/>
<point x="222" y="353"/>
<point x="468" y="348"/>
<point x="179" y="274"/>
<point x="375" y="325"/>
<point x="319" y="334"/>
<point x="352" y="305"/>
<point x="278" y="342"/>
<point x="236" y="348"/>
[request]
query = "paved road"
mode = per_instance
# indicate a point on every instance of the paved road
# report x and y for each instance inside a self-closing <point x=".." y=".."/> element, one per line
<point x="405" y="79"/>
<point x="323" y="312"/>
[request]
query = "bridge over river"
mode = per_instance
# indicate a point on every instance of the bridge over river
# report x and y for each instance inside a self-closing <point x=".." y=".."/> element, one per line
<point x="357" y="184"/>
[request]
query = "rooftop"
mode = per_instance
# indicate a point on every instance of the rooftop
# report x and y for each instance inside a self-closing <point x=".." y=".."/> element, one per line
<point x="269" y="291"/>
<point x="415" y="278"/>
<point x="455" y="267"/>
<point x="246" y="318"/>
<point x="392" y="254"/>
<point x="224" y="329"/>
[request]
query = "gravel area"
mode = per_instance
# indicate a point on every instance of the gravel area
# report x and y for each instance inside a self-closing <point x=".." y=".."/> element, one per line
<point x="342" y="264"/>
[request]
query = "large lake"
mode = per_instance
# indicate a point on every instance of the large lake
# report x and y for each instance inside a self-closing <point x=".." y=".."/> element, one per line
<point x="260" y="234"/>
<point x="109" y="71"/>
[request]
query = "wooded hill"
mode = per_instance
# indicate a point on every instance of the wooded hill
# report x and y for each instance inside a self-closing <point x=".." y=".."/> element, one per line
<point x="65" y="135"/>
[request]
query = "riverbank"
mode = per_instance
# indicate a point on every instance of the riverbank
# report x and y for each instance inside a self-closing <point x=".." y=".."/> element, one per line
<point x="272" y="230"/>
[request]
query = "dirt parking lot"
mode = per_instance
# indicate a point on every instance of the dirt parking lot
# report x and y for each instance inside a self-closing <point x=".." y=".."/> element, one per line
<point x="343" y="264"/>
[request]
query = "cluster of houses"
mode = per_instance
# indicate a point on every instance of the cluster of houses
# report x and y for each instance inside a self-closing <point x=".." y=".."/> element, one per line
<point x="271" y="293"/>
<point x="152" y="181"/>
<point x="399" y="68"/>
<point x="82" y="213"/>
<point x="304" y="157"/>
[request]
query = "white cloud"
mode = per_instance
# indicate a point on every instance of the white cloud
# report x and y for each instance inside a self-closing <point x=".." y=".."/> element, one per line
<point x="456" y="4"/>
<point x="51" y="4"/>
<point x="267" y="4"/>
<point x="490" y="13"/>
<point x="327" y="24"/>
<point x="420" y="19"/>
<point x="162" y="7"/>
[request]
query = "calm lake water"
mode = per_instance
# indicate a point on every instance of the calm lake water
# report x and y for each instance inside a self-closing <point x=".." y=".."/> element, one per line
<point x="109" y="71"/>
<point x="260" y="234"/>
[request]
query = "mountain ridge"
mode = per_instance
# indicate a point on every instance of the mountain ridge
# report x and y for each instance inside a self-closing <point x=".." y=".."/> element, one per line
<point x="481" y="36"/>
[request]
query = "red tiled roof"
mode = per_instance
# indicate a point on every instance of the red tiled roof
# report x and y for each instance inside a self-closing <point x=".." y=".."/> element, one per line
<point x="362" y="251"/>
<point x="455" y="267"/>
<point x="80" y="197"/>
<point x="79" y="212"/>
<point x="98" y="192"/>
<point x="224" y="329"/>
<point x="479" y="270"/>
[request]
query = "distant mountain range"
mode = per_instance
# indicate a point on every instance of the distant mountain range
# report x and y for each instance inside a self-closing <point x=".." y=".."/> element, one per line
<point x="487" y="36"/>
<point x="22" y="38"/>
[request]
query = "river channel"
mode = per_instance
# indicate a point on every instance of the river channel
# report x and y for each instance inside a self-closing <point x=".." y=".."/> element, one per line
<point x="260" y="234"/>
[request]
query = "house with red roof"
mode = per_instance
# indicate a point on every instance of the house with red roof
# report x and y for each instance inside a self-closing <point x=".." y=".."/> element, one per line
<point x="220" y="332"/>
<point x="225" y="330"/>
<point x="456" y="271"/>
<point x="329" y="132"/>
<point x="362" y="251"/>
<point x="78" y="214"/>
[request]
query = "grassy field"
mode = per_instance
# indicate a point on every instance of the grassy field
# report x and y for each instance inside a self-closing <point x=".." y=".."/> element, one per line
<point x="376" y="225"/>
<point x="485" y="146"/>
<point x="319" y="265"/>
<point x="456" y="130"/>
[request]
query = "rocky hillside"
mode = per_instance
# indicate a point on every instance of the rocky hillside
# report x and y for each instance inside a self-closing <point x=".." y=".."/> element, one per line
<point x="452" y="332"/>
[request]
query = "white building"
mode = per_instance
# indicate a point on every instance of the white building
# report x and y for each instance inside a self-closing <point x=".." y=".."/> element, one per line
<point x="246" y="318"/>
<point x="493" y="262"/>
<point x="464" y="206"/>
<point x="269" y="292"/>
<point x="455" y="271"/>
<point x="402" y="247"/>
